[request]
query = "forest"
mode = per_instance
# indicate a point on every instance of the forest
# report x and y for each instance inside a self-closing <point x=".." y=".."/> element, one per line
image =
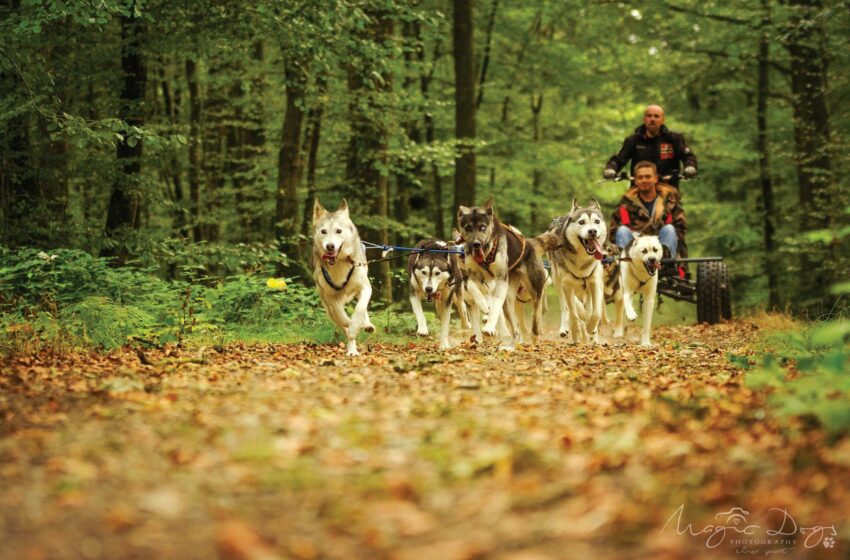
<point x="193" y="136"/>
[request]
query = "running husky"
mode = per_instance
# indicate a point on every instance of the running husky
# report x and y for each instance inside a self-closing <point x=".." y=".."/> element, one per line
<point x="436" y="276"/>
<point x="339" y="268"/>
<point x="638" y="274"/>
<point x="575" y="246"/>
<point x="506" y="261"/>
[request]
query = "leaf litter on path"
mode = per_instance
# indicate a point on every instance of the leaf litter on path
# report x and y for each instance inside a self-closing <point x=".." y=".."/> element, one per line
<point x="295" y="451"/>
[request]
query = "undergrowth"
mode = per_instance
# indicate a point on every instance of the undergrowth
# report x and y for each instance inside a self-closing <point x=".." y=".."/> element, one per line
<point x="807" y="372"/>
<point x="69" y="299"/>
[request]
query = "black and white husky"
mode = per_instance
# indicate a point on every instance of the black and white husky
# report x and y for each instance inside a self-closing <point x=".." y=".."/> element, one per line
<point x="507" y="262"/>
<point x="435" y="276"/>
<point x="638" y="274"/>
<point x="340" y="271"/>
<point x="575" y="245"/>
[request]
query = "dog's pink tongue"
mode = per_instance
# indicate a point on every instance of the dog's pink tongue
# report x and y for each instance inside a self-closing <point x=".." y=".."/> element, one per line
<point x="598" y="253"/>
<point x="478" y="255"/>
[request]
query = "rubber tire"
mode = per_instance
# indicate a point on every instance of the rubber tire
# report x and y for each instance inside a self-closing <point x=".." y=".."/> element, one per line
<point x="725" y="294"/>
<point x="710" y="285"/>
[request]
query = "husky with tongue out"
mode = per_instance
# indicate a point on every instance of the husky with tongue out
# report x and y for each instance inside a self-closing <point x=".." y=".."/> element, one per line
<point x="339" y="268"/>
<point x="508" y="263"/>
<point x="575" y="243"/>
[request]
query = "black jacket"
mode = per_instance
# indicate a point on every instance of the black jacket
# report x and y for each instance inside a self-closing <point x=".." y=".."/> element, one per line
<point x="667" y="151"/>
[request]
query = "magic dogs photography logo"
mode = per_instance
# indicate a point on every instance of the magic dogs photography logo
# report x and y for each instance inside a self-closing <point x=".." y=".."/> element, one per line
<point x="774" y="532"/>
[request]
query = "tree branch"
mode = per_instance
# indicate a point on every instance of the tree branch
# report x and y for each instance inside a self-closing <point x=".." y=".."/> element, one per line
<point x="717" y="17"/>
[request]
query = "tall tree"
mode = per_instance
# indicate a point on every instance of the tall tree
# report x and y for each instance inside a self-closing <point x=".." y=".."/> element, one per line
<point x="762" y="94"/>
<point x="367" y="162"/>
<point x="289" y="156"/>
<point x="804" y="42"/>
<point x="464" y="62"/>
<point x="124" y="202"/>
<point x="195" y="149"/>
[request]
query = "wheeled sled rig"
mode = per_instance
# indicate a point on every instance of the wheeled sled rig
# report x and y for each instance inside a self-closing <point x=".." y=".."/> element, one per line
<point x="710" y="291"/>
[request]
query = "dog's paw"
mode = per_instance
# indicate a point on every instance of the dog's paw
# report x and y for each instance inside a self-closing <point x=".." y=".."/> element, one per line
<point x="422" y="332"/>
<point x="631" y="314"/>
<point x="645" y="343"/>
<point x="618" y="333"/>
<point x="564" y="333"/>
<point x="445" y="345"/>
<point x="352" y="350"/>
<point x="488" y="331"/>
<point x="507" y="348"/>
<point x="369" y="327"/>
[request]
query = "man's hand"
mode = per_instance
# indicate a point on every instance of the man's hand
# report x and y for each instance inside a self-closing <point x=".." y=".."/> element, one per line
<point x="690" y="172"/>
<point x="610" y="173"/>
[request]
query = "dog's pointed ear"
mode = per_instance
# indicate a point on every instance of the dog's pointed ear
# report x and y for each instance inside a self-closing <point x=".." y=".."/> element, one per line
<point x="488" y="206"/>
<point x="595" y="204"/>
<point x="343" y="207"/>
<point x="575" y="205"/>
<point x="462" y="211"/>
<point x="318" y="210"/>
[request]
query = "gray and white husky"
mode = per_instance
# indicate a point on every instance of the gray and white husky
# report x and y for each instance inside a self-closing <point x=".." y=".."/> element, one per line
<point x="638" y="274"/>
<point x="340" y="271"/>
<point x="575" y="245"/>
<point x="507" y="262"/>
<point x="436" y="276"/>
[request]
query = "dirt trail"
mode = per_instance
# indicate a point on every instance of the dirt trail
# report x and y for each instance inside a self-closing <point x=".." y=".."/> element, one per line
<point x="553" y="451"/>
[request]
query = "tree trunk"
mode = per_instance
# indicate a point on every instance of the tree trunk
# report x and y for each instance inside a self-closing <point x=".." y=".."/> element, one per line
<point x="254" y="146"/>
<point x="172" y="170"/>
<point x="485" y="63"/>
<point x="811" y="138"/>
<point x="216" y="156"/>
<point x="464" y="62"/>
<point x="124" y="202"/>
<point x="770" y="261"/>
<point x="537" y="174"/>
<point x="195" y="145"/>
<point x="367" y="147"/>
<point x="20" y="187"/>
<point x="314" y="133"/>
<point x="289" y="158"/>
<point x="430" y="136"/>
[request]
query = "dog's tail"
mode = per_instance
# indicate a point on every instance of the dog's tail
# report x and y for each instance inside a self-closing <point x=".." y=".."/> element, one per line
<point x="545" y="242"/>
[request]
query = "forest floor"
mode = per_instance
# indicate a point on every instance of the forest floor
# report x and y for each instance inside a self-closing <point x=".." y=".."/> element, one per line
<point x="295" y="451"/>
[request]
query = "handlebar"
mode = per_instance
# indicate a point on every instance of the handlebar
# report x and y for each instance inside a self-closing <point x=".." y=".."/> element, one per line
<point x="623" y="176"/>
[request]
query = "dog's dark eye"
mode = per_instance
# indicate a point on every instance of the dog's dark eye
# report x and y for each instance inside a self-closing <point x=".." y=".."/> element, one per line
<point x="324" y="231"/>
<point x="597" y="222"/>
<point x="339" y="231"/>
<point x="645" y="251"/>
<point x="581" y="222"/>
<point x="467" y="228"/>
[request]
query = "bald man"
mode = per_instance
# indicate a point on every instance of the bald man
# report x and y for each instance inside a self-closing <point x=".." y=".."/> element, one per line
<point x="653" y="141"/>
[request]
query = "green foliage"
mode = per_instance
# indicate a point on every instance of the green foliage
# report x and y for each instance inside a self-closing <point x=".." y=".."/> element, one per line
<point x="69" y="297"/>
<point x="809" y="375"/>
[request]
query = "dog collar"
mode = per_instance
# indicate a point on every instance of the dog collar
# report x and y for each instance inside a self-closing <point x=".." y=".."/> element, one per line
<point x="331" y="282"/>
<point x="584" y="278"/>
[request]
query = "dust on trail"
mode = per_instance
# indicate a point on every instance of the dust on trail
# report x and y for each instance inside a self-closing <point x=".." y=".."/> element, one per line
<point x="294" y="451"/>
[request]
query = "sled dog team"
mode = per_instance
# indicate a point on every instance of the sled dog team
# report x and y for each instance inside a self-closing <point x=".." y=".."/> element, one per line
<point x="499" y="273"/>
